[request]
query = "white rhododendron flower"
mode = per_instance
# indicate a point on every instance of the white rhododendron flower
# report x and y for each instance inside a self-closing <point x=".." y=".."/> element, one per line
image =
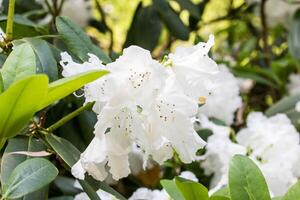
<point x="263" y="141"/>
<point x="139" y="103"/>
<point x="294" y="84"/>
<point x="219" y="151"/>
<point x="224" y="97"/>
<point x="194" y="69"/>
<point x="266" y="138"/>
<point x="147" y="194"/>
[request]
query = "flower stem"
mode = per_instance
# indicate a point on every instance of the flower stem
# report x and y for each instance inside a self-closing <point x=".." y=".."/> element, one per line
<point x="70" y="116"/>
<point x="10" y="20"/>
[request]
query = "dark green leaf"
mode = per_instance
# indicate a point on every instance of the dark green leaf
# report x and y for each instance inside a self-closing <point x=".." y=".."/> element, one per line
<point x="1" y="83"/>
<point x="188" y="5"/>
<point x="294" y="36"/>
<point x="191" y="190"/>
<point x="171" y="20"/>
<point x="10" y="161"/>
<point x="293" y="193"/>
<point x="171" y="188"/>
<point x="63" y="87"/>
<point x="77" y="41"/>
<point x="246" y="180"/>
<point x="283" y="105"/>
<point x="45" y="61"/>
<point x="144" y="19"/>
<point x="22" y="27"/>
<point x="62" y="198"/>
<point x="19" y="103"/>
<point x="64" y="149"/>
<point x="20" y="63"/>
<point x="66" y="185"/>
<point x="89" y="190"/>
<point x="29" y="176"/>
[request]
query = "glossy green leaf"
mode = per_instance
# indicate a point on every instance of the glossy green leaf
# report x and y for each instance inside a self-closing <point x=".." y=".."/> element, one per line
<point x="293" y="37"/>
<point x="66" y="185"/>
<point x="283" y="105"/>
<point x="45" y="61"/>
<point x="29" y="176"/>
<point x="77" y="41"/>
<point x="66" y="86"/>
<point x="171" y="188"/>
<point x="189" y="6"/>
<point x="171" y="20"/>
<point x="144" y="19"/>
<point x="246" y="180"/>
<point x="20" y="63"/>
<point x="89" y="190"/>
<point x="62" y="198"/>
<point x="191" y="190"/>
<point x="293" y="193"/>
<point x="19" y="103"/>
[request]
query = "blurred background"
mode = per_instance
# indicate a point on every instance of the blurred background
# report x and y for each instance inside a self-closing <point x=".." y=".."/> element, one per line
<point x="258" y="40"/>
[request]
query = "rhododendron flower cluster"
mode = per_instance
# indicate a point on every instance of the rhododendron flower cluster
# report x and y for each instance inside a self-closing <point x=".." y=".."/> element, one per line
<point x="273" y="143"/>
<point x="150" y="105"/>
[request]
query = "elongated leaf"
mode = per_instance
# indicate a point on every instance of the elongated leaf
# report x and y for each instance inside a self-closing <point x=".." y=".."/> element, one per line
<point x="192" y="8"/>
<point x="246" y="180"/>
<point x="283" y="105"/>
<point x="10" y="161"/>
<point x="62" y="198"/>
<point x="45" y="61"/>
<point x="219" y="198"/>
<point x="224" y="192"/>
<point x="20" y="63"/>
<point x="89" y="190"/>
<point x="171" y="188"/>
<point x="77" y="41"/>
<point x="171" y="20"/>
<point x="1" y="83"/>
<point x="19" y="103"/>
<point x="293" y="193"/>
<point x="63" y="87"/>
<point x="191" y="190"/>
<point x="293" y="38"/>
<point x="66" y="185"/>
<point x="144" y="19"/>
<point x="29" y="176"/>
<point x="64" y="149"/>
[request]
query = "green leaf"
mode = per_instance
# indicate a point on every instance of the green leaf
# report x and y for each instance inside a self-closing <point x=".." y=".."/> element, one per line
<point x="29" y="176"/>
<point x="64" y="149"/>
<point x="246" y="180"/>
<point x="144" y="19"/>
<point x="283" y="105"/>
<point x="192" y="8"/>
<point x="171" y="20"/>
<point x="77" y="41"/>
<point x="224" y="192"/>
<point x="219" y="198"/>
<point x="62" y="198"/>
<point x="19" y="103"/>
<point x="20" y="63"/>
<point x="171" y="188"/>
<point x="293" y="37"/>
<point x="1" y="83"/>
<point x="63" y="87"/>
<point x="89" y="190"/>
<point x="191" y="190"/>
<point x="66" y="185"/>
<point x="45" y="61"/>
<point x="10" y="161"/>
<point x="293" y="193"/>
<point x="22" y="27"/>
